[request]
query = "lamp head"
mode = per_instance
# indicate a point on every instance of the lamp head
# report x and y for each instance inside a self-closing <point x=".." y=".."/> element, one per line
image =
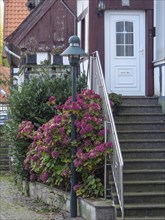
<point x="101" y="8"/>
<point x="74" y="51"/>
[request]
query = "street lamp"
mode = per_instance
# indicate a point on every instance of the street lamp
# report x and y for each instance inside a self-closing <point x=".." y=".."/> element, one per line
<point x="74" y="52"/>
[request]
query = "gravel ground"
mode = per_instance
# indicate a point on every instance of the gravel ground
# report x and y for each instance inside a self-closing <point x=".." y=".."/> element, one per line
<point x="15" y="206"/>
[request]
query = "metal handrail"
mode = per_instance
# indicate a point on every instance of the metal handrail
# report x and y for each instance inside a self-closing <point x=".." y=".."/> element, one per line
<point x="97" y="83"/>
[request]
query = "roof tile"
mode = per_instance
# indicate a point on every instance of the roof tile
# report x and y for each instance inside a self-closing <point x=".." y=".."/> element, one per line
<point x="15" y="12"/>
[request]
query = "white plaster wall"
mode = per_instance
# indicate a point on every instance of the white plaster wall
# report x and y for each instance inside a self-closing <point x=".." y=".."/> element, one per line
<point x="163" y="81"/>
<point x="159" y="45"/>
<point x="81" y="6"/>
<point x="41" y="57"/>
<point x="156" y="82"/>
<point x="160" y="29"/>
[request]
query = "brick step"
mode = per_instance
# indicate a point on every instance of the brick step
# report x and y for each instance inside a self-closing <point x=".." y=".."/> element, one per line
<point x="140" y="109"/>
<point x="150" y="125"/>
<point x="143" y="210"/>
<point x="131" y="117"/>
<point x="141" y="185"/>
<point x="144" y="164"/>
<point x="143" y="153"/>
<point x="139" y="100"/>
<point x="142" y="144"/>
<point x="142" y="197"/>
<point x="141" y="134"/>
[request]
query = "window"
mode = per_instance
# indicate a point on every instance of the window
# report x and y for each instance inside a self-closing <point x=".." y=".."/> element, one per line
<point x="124" y="39"/>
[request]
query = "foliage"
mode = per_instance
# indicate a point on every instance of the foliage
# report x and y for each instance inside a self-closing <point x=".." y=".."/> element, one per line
<point x="48" y="159"/>
<point x="34" y="102"/>
<point x="31" y="101"/>
<point x="18" y="149"/>
<point x="115" y="101"/>
<point x="116" y="98"/>
<point x="57" y="50"/>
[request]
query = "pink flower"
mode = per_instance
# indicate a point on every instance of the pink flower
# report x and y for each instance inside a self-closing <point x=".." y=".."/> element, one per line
<point x="47" y="149"/>
<point x="65" y="173"/>
<point x="62" y="130"/>
<point x="75" y="106"/>
<point x="34" y="158"/>
<point x="100" y="148"/>
<point x="76" y="187"/>
<point x="77" y="163"/>
<point x="32" y="177"/>
<point x="109" y="145"/>
<point x="101" y="133"/>
<point x="44" y="177"/>
<point x="52" y="98"/>
<point x="54" y="154"/>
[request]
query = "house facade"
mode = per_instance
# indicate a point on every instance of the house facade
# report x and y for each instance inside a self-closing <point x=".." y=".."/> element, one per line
<point x="44" y="31"/>
<point x="122" y="32"/>
<point x="48" y="25"/>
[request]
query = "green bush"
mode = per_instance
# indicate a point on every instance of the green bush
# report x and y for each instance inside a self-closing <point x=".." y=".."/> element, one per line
<point x="31" y="102"/>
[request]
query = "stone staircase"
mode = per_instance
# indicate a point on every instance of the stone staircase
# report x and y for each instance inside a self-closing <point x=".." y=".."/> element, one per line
<point x="141" y="131"/>
<point x="4" y="155"/>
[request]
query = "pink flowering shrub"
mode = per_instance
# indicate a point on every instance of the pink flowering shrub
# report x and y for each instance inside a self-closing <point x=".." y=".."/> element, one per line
<point x="48" y="159"/>
<point x="25" y="130"/>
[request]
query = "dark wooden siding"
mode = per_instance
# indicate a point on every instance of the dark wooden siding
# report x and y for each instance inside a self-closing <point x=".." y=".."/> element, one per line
<point x="46" y="27"/>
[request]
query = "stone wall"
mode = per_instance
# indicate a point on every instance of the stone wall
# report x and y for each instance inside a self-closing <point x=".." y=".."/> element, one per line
<point x="51" y="196"/>
<point x="89" y="209"/>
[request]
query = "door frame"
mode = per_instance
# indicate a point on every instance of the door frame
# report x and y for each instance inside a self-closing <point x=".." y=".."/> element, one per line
<point x="140" y="13"/>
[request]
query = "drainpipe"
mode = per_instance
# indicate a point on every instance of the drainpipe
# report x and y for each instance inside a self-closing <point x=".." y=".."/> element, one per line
<point x="12" y="53"/>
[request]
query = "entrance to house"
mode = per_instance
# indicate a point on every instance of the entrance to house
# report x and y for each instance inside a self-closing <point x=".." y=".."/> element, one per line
<point x="125" y="52"/>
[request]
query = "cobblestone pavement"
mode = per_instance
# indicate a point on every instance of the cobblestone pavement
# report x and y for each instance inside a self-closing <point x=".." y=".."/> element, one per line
<point x="15" y="206"/>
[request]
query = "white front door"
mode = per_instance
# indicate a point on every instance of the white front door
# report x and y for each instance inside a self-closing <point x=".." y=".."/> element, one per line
<point x="125" y="52"/>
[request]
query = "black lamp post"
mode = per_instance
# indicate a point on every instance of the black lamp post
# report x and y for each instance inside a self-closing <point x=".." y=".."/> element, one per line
<point x="74" y="52"/>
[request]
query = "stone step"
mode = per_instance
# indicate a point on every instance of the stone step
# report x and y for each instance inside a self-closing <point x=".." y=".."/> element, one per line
<point x="141" y="131"/>
<point x="144" y="163"/>
<point x="143" y="153"/>
<point x="4" y="156"/>
<point x="142" y="186"/>
<point x="141" y="134"/>
<point x="141" y="117"/>
<point x="142" y="218"/>
<point x="4" y="150"/>
<point x="139" y="100"/>
<point x="3" y="144"/>
<point x="4" y="161"/>
<point x="4" y="167"/>
<point x="140" y="109"/>
<point x="143" y="210"/>
<point x="142" y="144"/>
<point x="140" y="125"/>
<point x="144" y="174"/>
<point x="142" y="197"/>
